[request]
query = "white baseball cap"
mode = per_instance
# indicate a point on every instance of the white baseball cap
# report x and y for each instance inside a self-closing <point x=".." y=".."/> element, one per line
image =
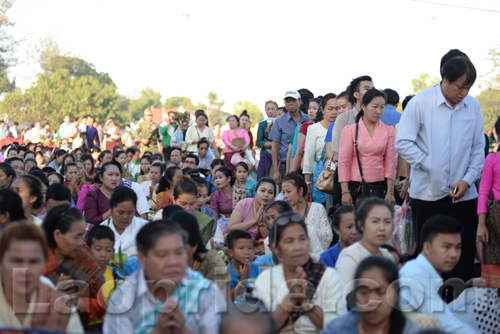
<point x="293" y="94"/>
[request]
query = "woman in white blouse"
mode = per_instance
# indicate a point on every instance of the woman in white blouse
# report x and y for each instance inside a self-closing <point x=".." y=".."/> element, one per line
<point x="198" y="131"/>
<point x="295" y="192"/>
<point x="315" y="143"/>
<point x="123" y="222"/>
<point x="303" y="296"/>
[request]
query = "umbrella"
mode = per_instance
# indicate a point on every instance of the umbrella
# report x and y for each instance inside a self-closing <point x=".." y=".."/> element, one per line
<point x="8" y="141"/>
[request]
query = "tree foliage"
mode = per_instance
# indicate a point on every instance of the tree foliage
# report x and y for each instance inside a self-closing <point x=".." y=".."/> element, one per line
<point x="422" y="83"/>
<point x="490" y="106"/>
<point x="215" y="109"/>
<point x="7" y="45"/>
<point x="148" y="98"/>
<point x="177" y="101"/>
<point x="255" y="113"/>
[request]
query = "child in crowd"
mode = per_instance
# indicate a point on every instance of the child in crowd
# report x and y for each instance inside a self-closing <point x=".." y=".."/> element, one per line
<point x="100" y="245"/>
<point x="121" y="157"/>
<point x="240" y="245"/>
<point x="242" y="181"/>
<point x="144" y="173"/>
<point x="345" y="227"/>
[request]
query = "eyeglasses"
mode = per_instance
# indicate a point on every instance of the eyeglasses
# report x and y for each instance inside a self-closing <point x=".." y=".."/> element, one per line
<point x="288" y="217"/>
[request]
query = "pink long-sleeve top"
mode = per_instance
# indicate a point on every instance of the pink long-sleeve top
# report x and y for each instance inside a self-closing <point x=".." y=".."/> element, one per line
<point x="378" y="157"/>
<point x="490" y="181"/>
<point x="228" y="136"/>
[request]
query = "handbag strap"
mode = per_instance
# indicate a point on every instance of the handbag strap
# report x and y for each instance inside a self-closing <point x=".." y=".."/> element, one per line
<point x="357" y="153"/>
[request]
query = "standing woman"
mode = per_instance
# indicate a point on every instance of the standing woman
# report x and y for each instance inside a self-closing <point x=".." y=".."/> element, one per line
<point x="303" y="296"/>
<point x="97" y="201"/>
<point x="198" y="131"/>
<point x="295" y="192"/>
<point x="7" y="174"/>
<point x="225" y="198"/>
<point x="263" y="142"/>
<point x="376" y="152"/>
<point x="29" y="189"/>
<point x="229" y="136"/>
<point x="315" y="145"/>
<point x="245" y="124"/>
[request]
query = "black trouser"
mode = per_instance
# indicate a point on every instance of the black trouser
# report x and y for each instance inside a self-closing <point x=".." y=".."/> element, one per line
<point x="166" y="152"/>
<point x="466" y="213"/>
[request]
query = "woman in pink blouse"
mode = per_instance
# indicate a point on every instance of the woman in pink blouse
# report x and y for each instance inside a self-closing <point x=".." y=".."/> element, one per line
<point x="376" y="151"/>
<point x="227" y="137"/>
<point x="490" y="183"/>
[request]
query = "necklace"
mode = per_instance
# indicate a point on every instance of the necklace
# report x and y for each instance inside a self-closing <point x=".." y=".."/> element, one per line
<point x="306" y="211"/>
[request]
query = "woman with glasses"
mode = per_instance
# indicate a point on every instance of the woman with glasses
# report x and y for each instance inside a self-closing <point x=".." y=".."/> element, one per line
<point x="303" y="296"/>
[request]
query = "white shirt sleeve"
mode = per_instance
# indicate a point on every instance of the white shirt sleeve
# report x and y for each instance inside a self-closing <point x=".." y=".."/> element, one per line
<point x="142" y="202"/>
<point x="309" y="151"/>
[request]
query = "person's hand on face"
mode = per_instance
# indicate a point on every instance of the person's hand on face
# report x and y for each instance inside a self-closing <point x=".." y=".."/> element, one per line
<point x="245" y="270"/>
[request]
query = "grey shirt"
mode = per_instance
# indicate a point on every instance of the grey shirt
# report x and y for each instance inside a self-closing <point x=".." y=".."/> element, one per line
<point x="344" y="119"/>
<point x="282" y="131"/>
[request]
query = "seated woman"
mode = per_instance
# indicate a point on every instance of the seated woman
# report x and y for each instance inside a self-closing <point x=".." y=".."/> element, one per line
<point x="11" y="207"/>
<point x="23" y="246"/>
<point x="73" y="182"/>
<point x="67" y="259"/>
<point x="123" y="222"/>
<point x="96" y="184"/>
<point x="150" y="186"/>
<point x="207" y="262"/>
<point x="225" y="198"/>
<point x="166" y="185"/>
<point x="29" y="189"/>
<point x="97" y="201"/>
<point x="249" y="214"/>
<point x="242" y="182"/>
<point x="374" y="221"/>
<point x="7" y="174"/>
<point x="283" y="287"/>
<point x="295" y="192"/>
<point x="144" y="166"/>
<point x="204" y="192"/>
<point x="89" y="166"/>
<point x="82" y="173"/>
<point x="376" y="295"/>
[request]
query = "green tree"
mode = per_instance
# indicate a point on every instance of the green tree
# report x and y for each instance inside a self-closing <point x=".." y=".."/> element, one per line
<point x="148" y="98"/>
<point x="255" y="113"/>
<point x="177" y="101"/>
<point x="422" y="83"/>
<point x="490" y="106"/>
<point x="215" y="108"/>
<point x="7" y="46"/>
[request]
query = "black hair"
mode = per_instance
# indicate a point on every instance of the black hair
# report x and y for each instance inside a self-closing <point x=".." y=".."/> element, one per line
<point x="186" y="186"/>
<point x="100" y="232"/>
<point x="160" y="165"/>
<point x="293" y="219"/>
<point x="30" y="159"/>
<point x="11" y="202"/>
<point x="148" y="158"/>
<point x="60" y="152"/>
<point x="61" y="218"/>
<point x="319" y="113"/>
<point x="406" y="100"/>
<point x="84" y="157"/>
<point x="193" y="172"/>
<point x="266" y="179"/>
<point x="195" y="157"/>
<point x="340" y="212"/>
<point x="103" y="153"/>
<point x="150" y="233"/>
<point x="10" y="160"/>
<point x="305" y="95"/>
<point x="122" y="194"/>
<point x="35" y="187"/>
<point x="22" y="148"/>
<point x="242" y="164"/>
<point x="132" y="150"/>
<point x="390" y="273"/>
<point x="62" y="168"/>
<point x="78" y="149"/>
<point x="439" y="224"/>
<point x="169" y="211"/>
<point x="497" y="130"/>
<point x="69" y="164"/>
<point x="245" y="114"/>
<point x="298" y="182"/>
<point x="108" y="164"/>
<point x="48" y="170"/>
<point x="8" y="169"/>
<point x="366" y="206"/>
<point x="227" y="173"/>
<point x="11" y="148"/>
<point x="201" y="113"/>
<point x="202" y="182"/>
<point x="235" y="117"/>
<point x="186" y="170"/>
<point x="157" y="156"/>
<point x="202" y="141"/>
<point x="58" y="192"/>
<point x="217" y="162"/>
<point x="167" y="179"/>
<point x="39" y="175"/>
<point x="117" y="153"/>
<point x="280" y="206"/>
<point x="29" y="152"/>
<point x="61" y="178"/>
<point x="354" y="85"/>
<point x="456" y="67"/>
<point x="235" y="235"/>
<point x="367" y="98"/>
<point x="188" y="222"/>
<point x="392" y="96"/>
<point x="449" y="55"/>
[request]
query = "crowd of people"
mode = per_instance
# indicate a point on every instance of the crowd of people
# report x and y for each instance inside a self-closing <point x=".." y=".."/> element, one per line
<point x="285" y="227"/>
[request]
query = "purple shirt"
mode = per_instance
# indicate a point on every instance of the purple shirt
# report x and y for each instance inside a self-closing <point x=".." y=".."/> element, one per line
<point x="91" y="135"/>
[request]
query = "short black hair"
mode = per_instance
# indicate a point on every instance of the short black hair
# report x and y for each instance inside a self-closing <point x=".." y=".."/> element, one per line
<point x="10" y="160"/>
<point x="36" y="172"/>
<point x="11" y="202"/>
<point x="305" y="95"/>
<point x="122" y="194"/>
<point x="203" y="141"/>
<point x="456" y="67"/>
<point x="188" y="222"/>
<point x="392" y="96"/>
<point x="132" y="150"/>
<point x="354" y="85"/>
<point x="340" y="212"/>
<point x="280" y="206"/>
<point x="169" y="211"/>
<point x="59" y="175"/>
<point x="195" y="157"/>
<point x="61" y="218"/>
<point x="149" y="234"/>
<point x="235" y="235"/>
<point x="217" y="162"/>
<point x="100" y="232"/>
<point x="8" y="169"/>
<point x="406" y="100"/>
<point x="439" y="224"/>
<point x="58" y="192"/>
<point x="449" y="55"/>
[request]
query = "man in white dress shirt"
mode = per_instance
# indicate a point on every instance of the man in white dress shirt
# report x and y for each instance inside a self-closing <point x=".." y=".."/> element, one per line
<point x="441" y="136"/>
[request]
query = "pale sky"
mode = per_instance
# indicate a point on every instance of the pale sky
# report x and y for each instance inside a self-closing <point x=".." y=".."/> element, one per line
<point x="257" y="50"/>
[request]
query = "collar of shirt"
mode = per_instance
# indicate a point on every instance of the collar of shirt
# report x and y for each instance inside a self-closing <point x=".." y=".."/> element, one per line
<point x="142" y="285"/>
<point x="441" y="99"/>
<point x="426" y="266"/>
<point x="303" y="117"/>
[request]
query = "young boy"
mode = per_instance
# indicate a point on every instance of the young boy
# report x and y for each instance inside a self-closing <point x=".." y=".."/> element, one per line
<point x="240" y="245"/>
<point x="344" y="226"/>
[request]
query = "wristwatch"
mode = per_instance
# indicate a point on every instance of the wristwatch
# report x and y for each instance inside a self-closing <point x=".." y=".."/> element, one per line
<point x="308" y="307"/>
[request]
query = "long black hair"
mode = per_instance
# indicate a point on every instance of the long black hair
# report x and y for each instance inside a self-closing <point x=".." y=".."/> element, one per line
<point x="367" y="98"/>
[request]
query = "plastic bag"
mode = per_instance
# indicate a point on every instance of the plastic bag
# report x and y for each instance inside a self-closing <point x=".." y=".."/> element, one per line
<point x="177" y="138"/>
<point x="403" y="236"/>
